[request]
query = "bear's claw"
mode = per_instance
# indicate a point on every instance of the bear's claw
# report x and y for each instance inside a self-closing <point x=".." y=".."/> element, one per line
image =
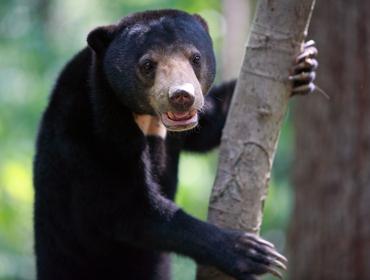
<point x="255" y="256"/>
<point x="303" y="71"/>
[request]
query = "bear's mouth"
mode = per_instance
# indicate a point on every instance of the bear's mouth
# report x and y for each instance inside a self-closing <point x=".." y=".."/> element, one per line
<point x="180" y="121"/>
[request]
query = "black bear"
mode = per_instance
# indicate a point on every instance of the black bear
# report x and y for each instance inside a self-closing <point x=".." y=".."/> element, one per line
<point x="105" y="170"/>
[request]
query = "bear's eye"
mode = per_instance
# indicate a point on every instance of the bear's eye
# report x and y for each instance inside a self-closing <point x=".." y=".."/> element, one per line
<point x="147" y="66"/>
<point x="195" y="59"/>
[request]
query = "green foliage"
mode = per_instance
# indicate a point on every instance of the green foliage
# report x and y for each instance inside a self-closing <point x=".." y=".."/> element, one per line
<point x="37" y="37"/>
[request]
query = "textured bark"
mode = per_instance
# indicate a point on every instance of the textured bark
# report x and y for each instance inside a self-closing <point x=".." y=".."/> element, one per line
<point x="254" y="121"/>
<point x="330" y="234"/>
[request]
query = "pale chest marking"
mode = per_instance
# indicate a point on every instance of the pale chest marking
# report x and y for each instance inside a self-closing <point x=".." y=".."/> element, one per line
<point x="151" y="125"/>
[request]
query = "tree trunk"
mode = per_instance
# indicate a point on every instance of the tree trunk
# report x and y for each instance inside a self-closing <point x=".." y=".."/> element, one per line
<point x="330" y="232"/>
<point x="257" y="110"/>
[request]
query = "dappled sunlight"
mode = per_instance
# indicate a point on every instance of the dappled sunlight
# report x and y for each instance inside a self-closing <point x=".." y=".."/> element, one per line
<point x="16" y="181"/>
<point x="196" y="179"/>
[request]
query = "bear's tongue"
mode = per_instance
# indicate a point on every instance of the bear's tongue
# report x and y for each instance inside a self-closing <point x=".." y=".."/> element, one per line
<point x="180" y="116"/>
<point x="179" y="121"/>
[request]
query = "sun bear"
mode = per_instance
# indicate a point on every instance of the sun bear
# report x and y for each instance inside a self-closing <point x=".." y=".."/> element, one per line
<point x="105" y="170"/>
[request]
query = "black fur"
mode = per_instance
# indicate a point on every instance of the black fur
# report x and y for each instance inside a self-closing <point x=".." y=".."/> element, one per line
<point x="104" y="191"/>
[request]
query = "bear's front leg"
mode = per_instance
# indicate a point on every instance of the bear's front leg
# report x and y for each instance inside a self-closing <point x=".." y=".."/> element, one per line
<point x="238" y="254"/>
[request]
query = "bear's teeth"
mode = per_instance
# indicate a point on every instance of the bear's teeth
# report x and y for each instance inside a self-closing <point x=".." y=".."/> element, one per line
<point x="170" y="115"/>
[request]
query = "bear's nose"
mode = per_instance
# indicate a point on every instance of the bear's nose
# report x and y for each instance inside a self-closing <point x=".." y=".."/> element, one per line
<point x="181" y="97"/>
<point x="181" y="100"/>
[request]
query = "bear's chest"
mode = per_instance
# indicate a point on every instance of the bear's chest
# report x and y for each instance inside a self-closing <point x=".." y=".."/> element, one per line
<point x="158" y="156"/>
<point x="162" y="151"/>
<point x="155" y="133"/>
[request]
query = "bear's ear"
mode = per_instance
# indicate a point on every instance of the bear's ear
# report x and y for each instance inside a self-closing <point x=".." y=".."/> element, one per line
<point x="100" y="38"/>
<point x="202" y="21"/>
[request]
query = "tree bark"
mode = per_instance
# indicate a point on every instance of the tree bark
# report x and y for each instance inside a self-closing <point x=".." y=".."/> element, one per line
<point x="254" y="121"/>
<point x="330" y="233"/>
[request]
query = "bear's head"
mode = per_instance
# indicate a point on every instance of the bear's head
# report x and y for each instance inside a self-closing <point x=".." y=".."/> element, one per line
<point x="159" y="63"/>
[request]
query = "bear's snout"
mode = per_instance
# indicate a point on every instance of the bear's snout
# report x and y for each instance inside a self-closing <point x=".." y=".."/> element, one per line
<point x="182" y="97"/>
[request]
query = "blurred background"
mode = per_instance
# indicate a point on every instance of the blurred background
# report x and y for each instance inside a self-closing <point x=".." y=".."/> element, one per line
<point x="37" y="37"/>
